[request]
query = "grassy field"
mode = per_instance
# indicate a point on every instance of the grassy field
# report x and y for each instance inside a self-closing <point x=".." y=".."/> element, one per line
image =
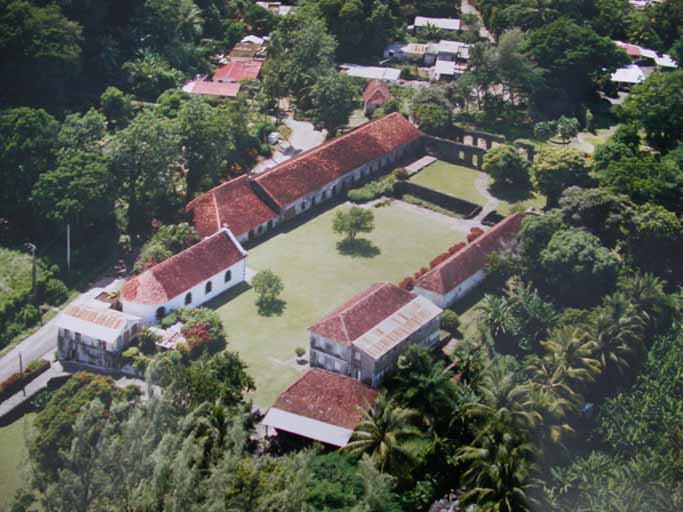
<point x="13" y="451"/>
<point x="318" y="278"/>
<point x="459" y="181"/>
<point x="15" y="271"/>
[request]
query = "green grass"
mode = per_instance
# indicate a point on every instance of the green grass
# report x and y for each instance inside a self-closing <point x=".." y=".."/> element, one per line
<point x="13" y="450"/>
<point x="459" y="181"/>
<point x="317" y="279"/>
<point x="15" y="271"/>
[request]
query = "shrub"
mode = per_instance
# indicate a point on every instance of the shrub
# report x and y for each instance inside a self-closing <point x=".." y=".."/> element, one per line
<point x="373" y="190"/>
<point x="169" y="320"/>
<point x="361" y="195"/>
<point x="439" y="259"/>
<point x="474" y="234"/>
<point x="299" y="351"/>
<point x="407" y="283"/>
<point x="28" y="315"/>
<point x="265" y="150"/>
<point x="450" y="322"/>
<point x="56" y="292"/>
<point x="457" y="247"/>
<point x="401" y="174"/>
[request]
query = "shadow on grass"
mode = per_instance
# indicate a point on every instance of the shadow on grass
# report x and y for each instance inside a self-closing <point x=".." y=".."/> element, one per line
<point x="228" y="295"/>
<point x="511" y="193"/>
<point x="273" y="307"/>
<point x="358" y="248"/>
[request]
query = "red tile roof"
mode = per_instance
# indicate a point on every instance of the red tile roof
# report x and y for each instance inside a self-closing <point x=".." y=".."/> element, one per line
<point x="238" y="71"/>
<point x="376" y="91"/>
<point x="311" y="170"/>
<point x="233" y="204"/>
<point x="327" y="397"/>
<point x="363" y="312"/>
<point x="467" y="262"/>
<point x="226" y="90"/>
<point x="176" y="275"/>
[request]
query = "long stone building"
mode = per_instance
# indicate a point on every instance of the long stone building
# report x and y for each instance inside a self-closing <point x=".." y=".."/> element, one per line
<point x="250" y="207"/>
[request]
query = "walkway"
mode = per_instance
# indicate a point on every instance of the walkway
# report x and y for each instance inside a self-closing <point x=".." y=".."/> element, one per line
<point x="303" y="137"/>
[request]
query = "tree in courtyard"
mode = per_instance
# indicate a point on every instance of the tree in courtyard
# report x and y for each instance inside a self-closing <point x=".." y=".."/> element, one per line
<point x="333" y="97"/>
<point x="567" y="128"/>
<point x="556" y="169"/>
<point x="268" y="288"/>
<point x="432" y="110"/>
<point x="354" y="221"/>
<point x="506" y="166"/>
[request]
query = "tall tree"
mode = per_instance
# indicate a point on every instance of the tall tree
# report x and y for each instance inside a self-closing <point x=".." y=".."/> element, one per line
<point x="556" y="169"/>
<point x="333" y="97"/>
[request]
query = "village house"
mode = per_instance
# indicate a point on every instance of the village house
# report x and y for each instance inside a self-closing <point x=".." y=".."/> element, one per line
<point x="238" y="71"/>
<point x="364" y="337"/>
<point x="445" y="24"/>
<point x="235" y="205"/>
<point x="375" y="95"/>
<point x="390" y="75"/>
<point x="277" y="8"/>
<point x="187" y="279"/>
<point x="463" y="271"/>
<point x="321" y="406"/>
<point x="405" y="51"/>
<point x="628" y="76"/>
<point x="91" y="333"/>
<point x="216" y="89"/>
<point x="647" y="57"/>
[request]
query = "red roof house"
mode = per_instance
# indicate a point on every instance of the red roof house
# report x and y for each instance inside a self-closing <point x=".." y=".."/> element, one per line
<point x="375" y="94"/>
<point x="322" y="406"/>
<point x="363" y="312"/>
<point x="198" y="273"/>
<point x="219" y="89"/>
<point x="238" y="71"/>
<point x="455" y="276"/>
<point x="233" y="204"/>
<point x="312" y="170"/>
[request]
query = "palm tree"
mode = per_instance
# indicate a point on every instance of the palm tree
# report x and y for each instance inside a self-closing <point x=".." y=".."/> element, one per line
<point x="616" y="332"/>
<point x="572" y="354"/>
<point x="499" y="467"/>
<point x="383" y="433"/>
<point x="495" y="316"/>
<point x="646" y="293"/>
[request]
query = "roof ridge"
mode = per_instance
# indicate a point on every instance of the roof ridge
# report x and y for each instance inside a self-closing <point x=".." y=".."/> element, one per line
<point x="328" y="143"/>
<point x="221" y="231"/>
<point x="214" y="189"/>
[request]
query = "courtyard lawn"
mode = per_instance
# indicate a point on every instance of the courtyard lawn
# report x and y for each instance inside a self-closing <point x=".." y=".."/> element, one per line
<point x="459" y="181"/>
<point x="13" y="450"/>
<point x="317" y="279"/>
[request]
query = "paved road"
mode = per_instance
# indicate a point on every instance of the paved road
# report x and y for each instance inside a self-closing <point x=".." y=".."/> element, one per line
<point x="40" y="344"/>
<point x="31" y="389"/>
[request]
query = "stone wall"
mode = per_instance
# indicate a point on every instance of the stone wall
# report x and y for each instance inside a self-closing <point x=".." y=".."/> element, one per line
<point x="454" y="152"/>
<point x="450" y="203"/>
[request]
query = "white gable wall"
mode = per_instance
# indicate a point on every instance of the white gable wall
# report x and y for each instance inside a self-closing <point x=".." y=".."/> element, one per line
<point x="454" y="295"/>
<point x="148" y="312"/>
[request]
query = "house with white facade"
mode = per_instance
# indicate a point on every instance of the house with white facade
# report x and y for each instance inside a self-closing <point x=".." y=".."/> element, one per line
<point x="187" y="279"/>
<point x="463" y="271"/>
<point x="321" y="406"/>
<point x="90" y="332"/>
<point x="390" y="75"/>
<point x="364" y="337"/>
<point x="445" y="24"/>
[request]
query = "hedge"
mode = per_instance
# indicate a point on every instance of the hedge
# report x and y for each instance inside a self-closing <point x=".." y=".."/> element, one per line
<point x="17" y="380"/>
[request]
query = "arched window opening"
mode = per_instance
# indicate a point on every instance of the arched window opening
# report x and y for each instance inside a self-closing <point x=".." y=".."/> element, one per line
<point x="208" y="287"/>
<point x="188" y="299"/>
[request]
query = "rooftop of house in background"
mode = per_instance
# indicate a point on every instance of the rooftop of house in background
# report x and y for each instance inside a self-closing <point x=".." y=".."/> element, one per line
<point x="390" y="75"/>
<point x="447" y="68"/>
<point x="246" y="52"/>
<point x="468" y="261"/>
<point x="451" y="24"/>
<point x="233" y="204"/>
<point x="238" y="71"/>
<point x="416" y="50"/>
<point x="376" y="91"/>
<point x="456" y="48"/>
<point x="276" y="8"/>
<point x="96" y="319"/>
<point x="311" y="170"/>
<point x="252" y="39"/>
<point x="205" y="88"/>
<point x="638" y="52"/>
<point x="630" y="74"/>
<point x="179" y="273"/>
<point x="322" y="406"/>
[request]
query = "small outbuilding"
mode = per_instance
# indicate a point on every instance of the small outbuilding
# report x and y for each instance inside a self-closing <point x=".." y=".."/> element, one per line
<point x="375" y="95"/>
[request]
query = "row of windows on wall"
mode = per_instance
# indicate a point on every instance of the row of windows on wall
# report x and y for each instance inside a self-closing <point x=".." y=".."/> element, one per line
<point x="161" y="312"/>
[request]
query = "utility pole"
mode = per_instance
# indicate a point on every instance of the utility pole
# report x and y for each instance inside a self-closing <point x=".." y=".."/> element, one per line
<point x="68" y="247"/>
<point x="32" y="247"/>
<point x="21" y="365"/>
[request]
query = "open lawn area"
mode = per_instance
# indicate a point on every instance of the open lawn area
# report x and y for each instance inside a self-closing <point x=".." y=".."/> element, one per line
<point x="459" y="181"/>
<point x="13" y="450"/>
<point x="318" y="278"/>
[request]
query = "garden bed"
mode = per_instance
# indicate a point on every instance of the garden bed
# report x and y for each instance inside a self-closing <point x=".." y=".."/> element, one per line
<point x="15" y="382"/>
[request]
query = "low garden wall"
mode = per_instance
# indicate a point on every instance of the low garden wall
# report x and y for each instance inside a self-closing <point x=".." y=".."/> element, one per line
<point x="450" y="203"/>
<point x="15" y="382"/>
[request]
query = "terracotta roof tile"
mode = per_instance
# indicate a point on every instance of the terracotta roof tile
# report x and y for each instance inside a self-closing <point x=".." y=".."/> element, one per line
<point x="363" y="312"/>
<point x="317" y="167"/>
<point x="238" y="71"/>
<point x="232" y="203"/>
<point x="327" y="397"/>
<point x="467" y="262"/>
<point x="179" y="273"/>
<point x="376" y="90"/>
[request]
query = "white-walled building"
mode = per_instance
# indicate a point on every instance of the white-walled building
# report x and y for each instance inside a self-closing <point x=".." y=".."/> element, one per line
<point x="364" y="337"/>
<point x="187" y="279"/>
<point x="90" y="332"/>
<point x="455" y="277"/>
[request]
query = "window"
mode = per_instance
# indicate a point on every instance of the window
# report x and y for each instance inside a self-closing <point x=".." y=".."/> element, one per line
<point x="228" y="276"/>
<point x="188" y="299"/>
<point x="161" y="313"/>
<point x="208" y="287"/>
